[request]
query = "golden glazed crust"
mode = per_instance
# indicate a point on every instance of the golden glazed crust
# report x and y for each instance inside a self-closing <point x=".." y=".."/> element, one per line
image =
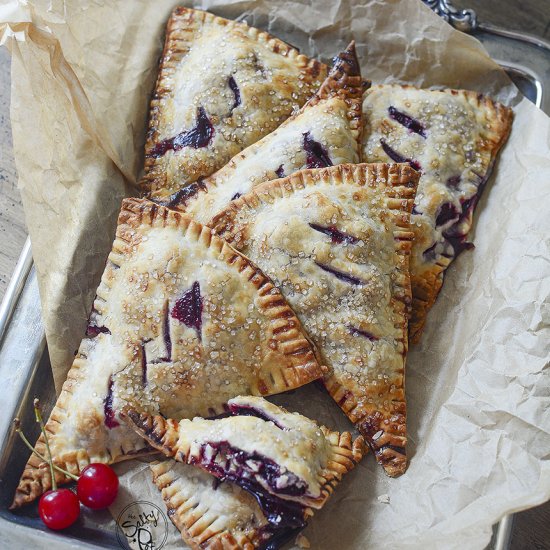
<point x="336" y="241"/>
<point x="305" y="452"/>
<point x="453" y="137"/>
<point x="247" y="82"/>
<point x="326" y="131"/>
<point x="181" y="323"/>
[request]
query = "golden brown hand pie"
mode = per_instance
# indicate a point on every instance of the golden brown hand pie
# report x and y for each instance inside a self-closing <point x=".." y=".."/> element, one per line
<point x="222" y="86"/>
<point x="325" y="132"/>
<point x="285" y="460"/>
<point x="452" y="137"/>
<point x="181" y="323"/>
<point x="336" y="242"/>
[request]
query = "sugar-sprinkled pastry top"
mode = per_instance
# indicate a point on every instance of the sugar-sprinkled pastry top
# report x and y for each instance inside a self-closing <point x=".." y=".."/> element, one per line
<point x="336" y="242"/>
<point x="181" y="323"/>
<point x="452" y="137"/>
<point x="325" y="132"/>
<point x="259" y="446"/>
<point x="222" y="85"/>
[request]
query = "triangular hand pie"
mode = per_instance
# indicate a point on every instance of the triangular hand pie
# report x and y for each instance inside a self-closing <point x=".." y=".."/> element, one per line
<point x="213" y="515"/>
<point x="282" y="458"/>
<point x="325" y="132"/>
<point x="336" y="242"/>
<point x="222" y="86"/>
<point x="181" y="323"/>
<point x="452" y="137"/>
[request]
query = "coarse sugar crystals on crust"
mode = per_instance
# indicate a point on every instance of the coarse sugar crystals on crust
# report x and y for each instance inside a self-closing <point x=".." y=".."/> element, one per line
<point x="181" y="323"/>
<point x="336" y="242"/>
<point x="452" y="137"/>
<point x="325" y="132"/>
<point x="222" y="86"/>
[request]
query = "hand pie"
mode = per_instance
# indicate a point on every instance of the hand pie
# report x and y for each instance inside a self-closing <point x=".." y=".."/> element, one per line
<point x="327" y="131"/>
<point x="213" y="515"/>
<point x="222" y="86"/>
<point x="452" y="137"/>
<point x="181" y="323"/>
<point x="284" y="459"/>
<point x="336" y="242"/>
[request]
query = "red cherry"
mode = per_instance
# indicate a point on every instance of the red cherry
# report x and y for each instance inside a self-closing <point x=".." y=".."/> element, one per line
<point x="59" y="509"/>
<point x="97" y="486"/>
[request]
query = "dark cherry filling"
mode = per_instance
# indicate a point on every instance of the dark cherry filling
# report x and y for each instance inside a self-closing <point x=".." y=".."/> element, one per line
<point x="188" y="309"/>
<point x="447" y="212"/>
<point x="197" y="137"/>
<point x="183" y="195"/>
<point x="108" y="410"/>
<point x="93" y="330"/>
<point x="280" y="172"/>
<point x="236" y="196"/>
<point x="166" y="334"/>
<point x="398" y="157"/>
<point x="429" y="254"/>
<point x="245" y="410"/>
<point x="346" y="277"/>
<point x="454" y="236"/>
<point x="236" y="92"/>
<point x="356" y="331"/>
<point x="337" y="236"/>
<point x="453" y="182"/>
<point x="316" y="154"/>
<point x="409" y="122"/>
<point x="143" y="365"/>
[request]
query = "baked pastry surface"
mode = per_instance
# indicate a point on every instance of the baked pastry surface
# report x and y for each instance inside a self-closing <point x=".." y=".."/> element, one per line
<point x="452" y="137"/>
<point x="181" y="323"/>
<point x="325" y="132"/>
<point x="222" y="86"/>
<point x="336" y="242"/>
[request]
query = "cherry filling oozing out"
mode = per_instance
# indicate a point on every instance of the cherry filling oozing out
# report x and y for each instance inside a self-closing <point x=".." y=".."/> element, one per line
<point x="246" y="410"/>
<point x="336" y="236"/>
<point x="409" y="122"/>
<point x="398" y="157"/>
<point x="236" y="93"/>
<point x="280" y="172"/>
<point x="183" y="195"/>
<point x="251" y="471"/>
<point x="345" y="277"/>
<point x="316" y="154"/>
<point x="108" y="411"/>
<point x="188" y="309"/>
<point x="197" y="137"/>
<point x="94" y="330"/>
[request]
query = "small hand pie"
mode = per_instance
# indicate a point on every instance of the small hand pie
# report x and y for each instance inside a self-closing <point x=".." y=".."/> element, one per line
<point x="452" y="137"/>
<point x="325" y="132"/>
<point x="213" y="515"/>
<point x="336" y="242"/>
<point x="285" y="460"/>
<point x="222" y="86"/>
<point x="181" y="323"/>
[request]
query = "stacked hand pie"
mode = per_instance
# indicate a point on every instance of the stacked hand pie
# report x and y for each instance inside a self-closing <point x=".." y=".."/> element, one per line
<point x="296" y="225"/>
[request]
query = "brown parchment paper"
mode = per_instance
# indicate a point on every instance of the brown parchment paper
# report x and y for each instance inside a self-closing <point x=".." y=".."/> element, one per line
<point x="478" y="385"/>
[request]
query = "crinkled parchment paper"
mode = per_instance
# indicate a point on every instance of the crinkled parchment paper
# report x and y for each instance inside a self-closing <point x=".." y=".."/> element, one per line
<point x="478" y="386"/>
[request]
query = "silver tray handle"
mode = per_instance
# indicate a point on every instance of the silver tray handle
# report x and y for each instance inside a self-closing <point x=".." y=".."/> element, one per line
<point x="463" y="20"/>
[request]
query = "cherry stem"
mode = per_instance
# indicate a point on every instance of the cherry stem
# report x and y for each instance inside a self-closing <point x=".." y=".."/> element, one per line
<point x="38" y="416"/>
<point x="41" y="457"/>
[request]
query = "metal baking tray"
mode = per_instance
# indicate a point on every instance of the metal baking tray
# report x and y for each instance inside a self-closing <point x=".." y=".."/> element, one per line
<point x="24" y="364"/>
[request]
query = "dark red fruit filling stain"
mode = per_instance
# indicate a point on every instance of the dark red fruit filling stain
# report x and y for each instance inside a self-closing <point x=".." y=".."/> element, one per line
<point x="183" y="195"/>
<point x="454" y="235"/>
<point x="236" y="93"/>
<point x="336" y="236"/>
<point x="236" y="196"/>
<point x="143" y="365"/>
<point x="316" y="154"/>
<point x="345" y="277"/>
<point x="93" y="330"/>
<point x="453" y="182"/>
<point x="108" y="411"/>
<point x="356" y="331"/>
<point x="166" y="334"/>
<point x="188" y="309"/>
<point x="409" y="122"/>
<point x="197" y="137"/>
<point x="280" y="172"/>
<point x="447" y="213"/>
<point x="398" y="157"/>
<point x="246" y="410"/>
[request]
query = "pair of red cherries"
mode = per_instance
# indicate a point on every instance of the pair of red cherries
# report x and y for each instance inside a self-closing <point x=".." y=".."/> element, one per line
<point x="96" y="488"/>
